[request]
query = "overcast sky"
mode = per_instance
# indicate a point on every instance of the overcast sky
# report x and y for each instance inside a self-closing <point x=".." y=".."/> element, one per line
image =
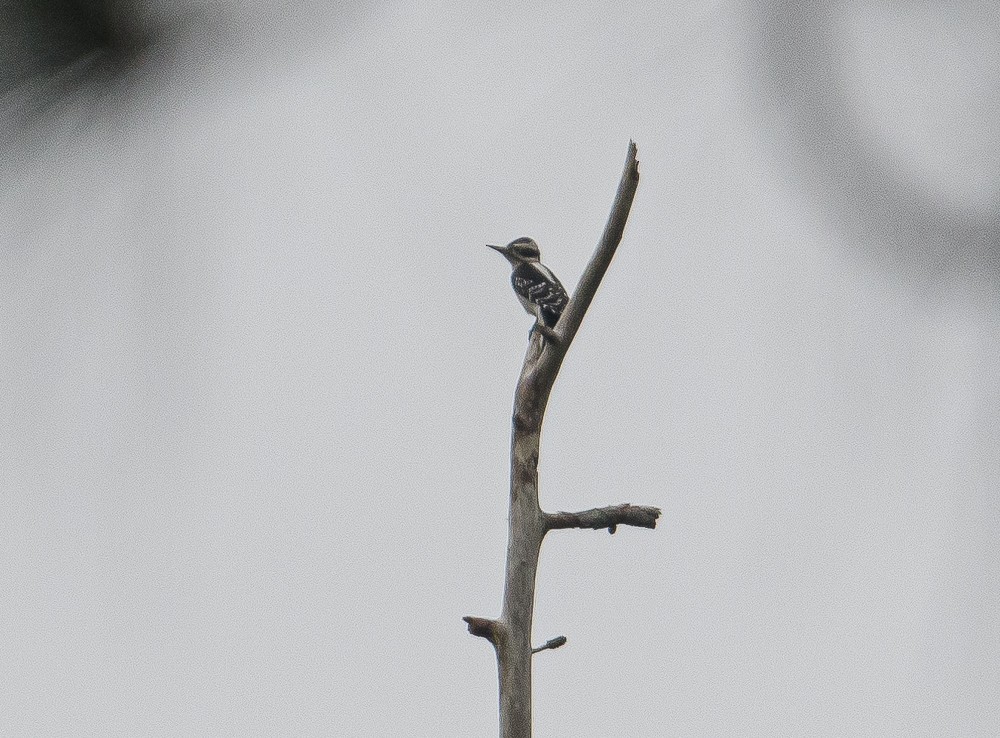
<point x="259" y="369"/>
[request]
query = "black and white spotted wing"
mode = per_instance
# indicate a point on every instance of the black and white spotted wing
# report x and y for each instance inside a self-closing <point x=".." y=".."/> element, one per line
<point x="539" y="291"/>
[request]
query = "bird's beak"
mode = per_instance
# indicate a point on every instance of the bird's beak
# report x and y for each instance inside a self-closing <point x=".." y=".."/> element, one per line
<point x="501" y="249"/>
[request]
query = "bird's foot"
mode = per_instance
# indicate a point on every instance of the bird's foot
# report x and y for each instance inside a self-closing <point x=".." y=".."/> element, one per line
<point x="547" y="333"/>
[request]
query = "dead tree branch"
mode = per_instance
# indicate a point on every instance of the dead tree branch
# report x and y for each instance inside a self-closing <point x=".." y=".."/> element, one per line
<point x="551" y="643"/>
<point x="482" y="627"/>
<point x="528" y="524"/>
<point x="639" y="516"/>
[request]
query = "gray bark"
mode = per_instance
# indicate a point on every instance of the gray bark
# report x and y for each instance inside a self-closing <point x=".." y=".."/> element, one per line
<point x="511" y="633"/>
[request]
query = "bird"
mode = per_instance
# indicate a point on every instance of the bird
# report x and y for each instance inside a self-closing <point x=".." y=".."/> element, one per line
<point x="538" y="289"/>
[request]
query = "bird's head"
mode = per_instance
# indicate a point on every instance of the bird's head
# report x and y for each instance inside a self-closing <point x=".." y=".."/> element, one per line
<point x="519" y="250"/>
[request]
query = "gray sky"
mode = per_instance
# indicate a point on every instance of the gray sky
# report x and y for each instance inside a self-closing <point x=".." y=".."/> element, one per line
<point x="253" y="451"/>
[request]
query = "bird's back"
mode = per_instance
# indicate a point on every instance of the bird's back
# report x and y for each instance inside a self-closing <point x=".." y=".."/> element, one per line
<point x="541" y="293"/>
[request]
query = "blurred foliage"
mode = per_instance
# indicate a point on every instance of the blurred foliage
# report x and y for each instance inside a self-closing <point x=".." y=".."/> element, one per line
<point x="39" y="37"/>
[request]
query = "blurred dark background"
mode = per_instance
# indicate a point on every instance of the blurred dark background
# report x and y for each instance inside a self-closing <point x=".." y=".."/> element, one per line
<point x="46" y="37"/>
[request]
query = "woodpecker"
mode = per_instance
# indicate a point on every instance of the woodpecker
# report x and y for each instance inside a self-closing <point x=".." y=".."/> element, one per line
<point x="536" y="286"/>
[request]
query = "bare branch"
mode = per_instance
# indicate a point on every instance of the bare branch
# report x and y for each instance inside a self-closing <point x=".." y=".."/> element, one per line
<point x="551" y="643"/>
<point x="528" y="524"/>
<point x="483" y="627"/>
<point x="572" y="317"/>
<point x="640" y="516"/>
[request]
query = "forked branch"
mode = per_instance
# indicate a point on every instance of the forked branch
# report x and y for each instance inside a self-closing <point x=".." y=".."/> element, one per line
<point x="528" y="524"/>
